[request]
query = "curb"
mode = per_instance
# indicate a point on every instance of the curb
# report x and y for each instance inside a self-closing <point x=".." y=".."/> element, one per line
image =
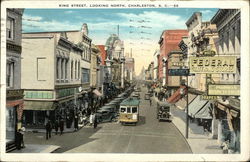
<point x="186" y="141"/>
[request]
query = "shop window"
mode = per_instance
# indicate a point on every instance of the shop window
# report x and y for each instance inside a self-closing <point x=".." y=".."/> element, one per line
<point x="11" y="119"/>
<point x="10" y="74"/>
<point x="10" y="28"/>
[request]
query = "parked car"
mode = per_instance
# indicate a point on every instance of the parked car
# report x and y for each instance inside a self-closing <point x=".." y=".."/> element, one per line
<point x="106" y="115"/>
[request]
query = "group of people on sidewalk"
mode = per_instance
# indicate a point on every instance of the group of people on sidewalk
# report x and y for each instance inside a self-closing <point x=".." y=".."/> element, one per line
<point x="58" y="126"/>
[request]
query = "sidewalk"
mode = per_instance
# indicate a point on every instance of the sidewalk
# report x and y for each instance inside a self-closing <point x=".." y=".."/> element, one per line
<point x="66" y="130"/>
<point x="198" y="140"/>
<point x="31" y="148"/>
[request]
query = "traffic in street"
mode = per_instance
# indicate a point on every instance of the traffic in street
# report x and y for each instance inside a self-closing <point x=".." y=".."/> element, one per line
<point x="147" y="136"/>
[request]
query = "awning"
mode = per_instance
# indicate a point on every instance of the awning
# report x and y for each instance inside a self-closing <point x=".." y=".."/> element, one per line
<point x="96" y="92"/>
<point x="38" y="105"/>
<point x="199" y="108"/>
<point x="182" y="103"/>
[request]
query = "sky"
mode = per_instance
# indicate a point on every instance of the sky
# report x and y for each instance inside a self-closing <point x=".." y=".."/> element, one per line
<point x="139" y="28"/>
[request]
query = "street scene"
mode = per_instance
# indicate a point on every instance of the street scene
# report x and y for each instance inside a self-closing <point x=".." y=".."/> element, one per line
<point x="148" y="80"/>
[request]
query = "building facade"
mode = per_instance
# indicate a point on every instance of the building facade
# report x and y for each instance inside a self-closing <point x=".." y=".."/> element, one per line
<point x="169" y="41"/>
<point x="228" y="23"/>
<point x="57" y="82"/>
<point x="14" y="93"/>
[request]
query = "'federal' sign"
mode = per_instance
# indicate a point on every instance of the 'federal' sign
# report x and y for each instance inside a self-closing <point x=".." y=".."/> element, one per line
<point x="224" y="89"/>
<point x="210" y="65"/>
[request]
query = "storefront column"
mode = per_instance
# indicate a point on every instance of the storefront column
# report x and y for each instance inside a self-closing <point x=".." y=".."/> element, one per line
<point x="34" y="117"/>
<point x="220" y="136"/>
<point x="214" y="126"/>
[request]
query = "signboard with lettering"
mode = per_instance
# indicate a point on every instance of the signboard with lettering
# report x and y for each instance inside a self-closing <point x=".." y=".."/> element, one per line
<point x="206" y="97"/>
<point x="178" y="72"/>
<point x="224" y="89"/>
<point x="212" y="65"/>
<point x="178" y="64"/>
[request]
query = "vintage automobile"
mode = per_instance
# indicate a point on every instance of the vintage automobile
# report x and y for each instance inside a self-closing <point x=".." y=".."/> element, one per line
<point x="136" y="94"/>
<point x="129" y="111"/>
<point x="106" y="114"/>
<point x="163" y="111"/>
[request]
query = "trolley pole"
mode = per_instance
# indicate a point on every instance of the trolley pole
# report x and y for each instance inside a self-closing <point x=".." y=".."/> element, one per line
<point x="187" y="119"/>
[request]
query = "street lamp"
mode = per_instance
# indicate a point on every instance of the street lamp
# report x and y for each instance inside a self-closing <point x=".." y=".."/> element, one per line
<point x="122" y="60"/>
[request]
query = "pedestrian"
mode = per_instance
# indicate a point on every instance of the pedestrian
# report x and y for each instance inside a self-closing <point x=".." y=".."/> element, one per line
<point x="18" y="139"/>
<point x="95" y="121"/>
<point x="150" y="101"/>
<point x="56" y="125"/>
<point x="22" y="136"/>
<point x="91" y="119"/>
<point x="76" y="122"/>
<point x="61" y="125"/>
<point x="48" y="127"/>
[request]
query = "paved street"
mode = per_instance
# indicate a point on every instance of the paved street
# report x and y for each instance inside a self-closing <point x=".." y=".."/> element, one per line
<point x="148" y="136"/>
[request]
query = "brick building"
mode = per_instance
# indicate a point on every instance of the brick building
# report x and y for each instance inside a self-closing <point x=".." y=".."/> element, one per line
<point x="168" y="42"/>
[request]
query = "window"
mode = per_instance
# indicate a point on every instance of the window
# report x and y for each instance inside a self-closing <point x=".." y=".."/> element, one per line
<point x="123" y="109"/>
<point x="128" y="109"/>
<point x="79" y="70"/>
<point x="66" y="69"/>
<point x="85" y="75"/>
<point x="75" y="69"/>
<point x="10" y="74"/>
<point x="72" y="68"/>
<point x="57" y="68"/>
<point x="134" y="109"/>
<point x="61" y="71"/>
<point x="10" y="28"/>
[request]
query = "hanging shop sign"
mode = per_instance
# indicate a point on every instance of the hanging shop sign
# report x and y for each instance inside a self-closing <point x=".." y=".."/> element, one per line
<point x="206" y="97"/>
<point x="178" y="72"/>
<point x="224" y="89"/>
<point x="212" y="65"/>
<point x="178" y="64"/>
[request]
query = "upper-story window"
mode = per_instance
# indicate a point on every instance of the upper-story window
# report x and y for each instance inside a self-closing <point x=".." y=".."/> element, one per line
<point x="10" y="28"/>
<point x="10" y="74"/>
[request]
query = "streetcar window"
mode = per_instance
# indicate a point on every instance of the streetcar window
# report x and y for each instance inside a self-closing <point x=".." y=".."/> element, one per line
<point x="134" y="109"/>
<point x="128" y="110"/>
<point x="123" y="109"/>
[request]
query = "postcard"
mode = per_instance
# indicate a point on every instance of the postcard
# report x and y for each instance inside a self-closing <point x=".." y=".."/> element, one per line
<point x="124" y="80"/>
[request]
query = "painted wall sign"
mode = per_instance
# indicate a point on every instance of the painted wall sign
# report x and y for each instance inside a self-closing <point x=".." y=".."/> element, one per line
<point x="216" y="64"/>
<point x="224" y="89"/>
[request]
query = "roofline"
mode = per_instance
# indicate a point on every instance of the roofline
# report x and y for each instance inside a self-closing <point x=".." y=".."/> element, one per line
<point x="51" y="32"/>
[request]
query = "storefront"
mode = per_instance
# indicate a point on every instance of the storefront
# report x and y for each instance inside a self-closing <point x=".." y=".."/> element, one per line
<point x="13" y="113"/>
<point x="36" y="113"/>
<point x="228" y="126"/>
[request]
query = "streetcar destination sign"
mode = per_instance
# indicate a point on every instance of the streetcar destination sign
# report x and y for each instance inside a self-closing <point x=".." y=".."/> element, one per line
<point x="178" y="72"/>
<point x="224" y="89"/>
<point x="212" y="65"/>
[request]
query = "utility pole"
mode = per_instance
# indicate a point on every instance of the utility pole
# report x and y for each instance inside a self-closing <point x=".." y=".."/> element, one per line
<point x="118" y="30"/>
<point x="187" y="119"/>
